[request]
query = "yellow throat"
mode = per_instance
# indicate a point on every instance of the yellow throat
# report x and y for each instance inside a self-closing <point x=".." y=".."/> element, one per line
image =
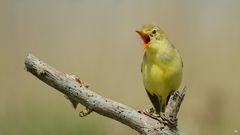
<point x="161" y="66"/>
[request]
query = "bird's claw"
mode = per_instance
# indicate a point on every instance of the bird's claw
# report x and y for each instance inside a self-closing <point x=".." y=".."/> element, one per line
<point x="162" y="117"/>
<point x="150" y="112"/>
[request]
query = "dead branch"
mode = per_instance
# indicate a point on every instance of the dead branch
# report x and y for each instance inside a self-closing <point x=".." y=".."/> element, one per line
<point x="77" y="92"/>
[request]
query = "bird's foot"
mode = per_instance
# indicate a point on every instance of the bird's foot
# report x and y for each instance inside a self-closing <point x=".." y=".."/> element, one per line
<point x="162" y="117"/>
<point x="151" y="113"/>
<point x="77" y="79"/>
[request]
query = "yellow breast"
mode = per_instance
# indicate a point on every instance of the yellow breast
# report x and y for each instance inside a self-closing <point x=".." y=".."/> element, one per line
<point x="162" y="71"/>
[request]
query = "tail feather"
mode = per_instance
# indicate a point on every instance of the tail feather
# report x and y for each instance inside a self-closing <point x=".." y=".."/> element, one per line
<point x="155" y="101"/>
<point x="159" y="103"/>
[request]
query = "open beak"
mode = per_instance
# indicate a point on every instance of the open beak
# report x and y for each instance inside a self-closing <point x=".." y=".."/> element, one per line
<point x="145" y="37"/>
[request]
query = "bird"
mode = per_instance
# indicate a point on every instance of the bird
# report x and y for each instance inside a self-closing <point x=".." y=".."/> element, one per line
<point x="161" y="66"/>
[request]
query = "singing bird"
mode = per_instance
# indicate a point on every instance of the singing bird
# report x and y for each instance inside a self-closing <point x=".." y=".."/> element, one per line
<point x="161" y="66"/>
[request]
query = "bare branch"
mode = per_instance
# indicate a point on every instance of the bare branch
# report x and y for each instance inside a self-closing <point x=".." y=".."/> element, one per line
<point x="79" y="93"/>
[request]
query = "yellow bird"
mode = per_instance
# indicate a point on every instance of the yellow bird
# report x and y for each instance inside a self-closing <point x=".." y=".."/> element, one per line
<point x="161" y="66"/>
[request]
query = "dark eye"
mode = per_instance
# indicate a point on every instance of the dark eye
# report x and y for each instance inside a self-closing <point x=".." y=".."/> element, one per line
<point x="154" y="32"/>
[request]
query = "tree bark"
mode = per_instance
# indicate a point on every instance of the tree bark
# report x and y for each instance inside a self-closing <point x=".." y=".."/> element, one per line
<point x="79" y="93"/>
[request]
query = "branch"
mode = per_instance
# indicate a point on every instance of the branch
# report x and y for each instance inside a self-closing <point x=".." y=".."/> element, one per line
<point x="79" y="93"/>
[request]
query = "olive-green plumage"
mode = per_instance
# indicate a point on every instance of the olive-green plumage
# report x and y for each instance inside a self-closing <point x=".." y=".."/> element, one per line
<point x="161" y="66"/>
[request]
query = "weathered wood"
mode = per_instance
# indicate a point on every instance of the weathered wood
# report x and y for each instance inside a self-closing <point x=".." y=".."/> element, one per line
<point x="78" y="92"/>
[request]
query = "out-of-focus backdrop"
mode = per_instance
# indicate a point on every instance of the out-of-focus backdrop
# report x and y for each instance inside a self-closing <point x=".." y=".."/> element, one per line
<point x="96" y="40"/>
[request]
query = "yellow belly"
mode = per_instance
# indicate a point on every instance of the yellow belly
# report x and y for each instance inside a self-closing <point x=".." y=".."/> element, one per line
<point x="161" y="79"/>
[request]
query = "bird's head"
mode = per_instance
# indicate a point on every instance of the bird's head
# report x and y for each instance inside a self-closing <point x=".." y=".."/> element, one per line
<point x="150" y="32"/>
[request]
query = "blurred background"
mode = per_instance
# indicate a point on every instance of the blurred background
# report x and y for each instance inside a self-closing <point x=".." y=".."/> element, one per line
<point x="96" y="40"/>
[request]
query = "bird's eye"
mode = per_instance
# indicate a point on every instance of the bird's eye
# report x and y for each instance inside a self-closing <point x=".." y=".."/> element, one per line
<point x="154" y="32"/>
